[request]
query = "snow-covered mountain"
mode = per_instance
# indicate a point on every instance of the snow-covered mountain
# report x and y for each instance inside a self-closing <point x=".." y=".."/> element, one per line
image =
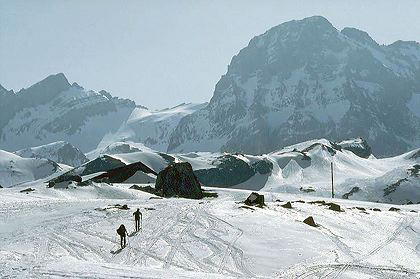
<point x="60" y="152"/>
<point x="15" y="169"/>
<point x="305" y="79"/>
<point x="54" y="110"/>
<point x="152" y="128"/>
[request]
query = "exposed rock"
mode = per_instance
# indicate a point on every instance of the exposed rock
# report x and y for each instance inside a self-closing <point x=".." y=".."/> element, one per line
<point x="376" y="209"/>
<point x="121" y="174"/>
<point x="414" y="171"/>
<point x="391" y="188"/>
<point x="352" y="191"/>
<point x="310" y="221"/>
<point x="306" y="190"/>
<point x="317" y="202"/>
<point x="394" y="209"/>
<point x="361" y="208"/>
<point x="413" y="211"/>
<point x="64" y="180"/>
<point x="229" y="171"/>
<point x="255" y="199"/>
<point x="27" y="190"/>
<point x="287" y="205"/>
<point x="358" y="146"/>
<point x="300" y="201"/>
<point x="178" y="179"/>
<point x="334" y="206"/>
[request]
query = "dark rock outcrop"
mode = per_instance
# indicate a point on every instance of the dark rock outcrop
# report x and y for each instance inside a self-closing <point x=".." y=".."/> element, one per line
<point x="255" y="199"/>
<point x="287" y="205"/>
<point x="310" y="221"/>
<point x="394" y="209"/>
<point x="352" y="191"/>
<point x="27" y="190"/>
<point x="121" y="174"/>
<point x="178" y="179"/>
<point x="231" y="170"/>
<point x="334" y="207"/>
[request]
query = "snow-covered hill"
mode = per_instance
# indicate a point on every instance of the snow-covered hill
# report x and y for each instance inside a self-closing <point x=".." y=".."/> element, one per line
<point x="300" y="168"/>
<point x="60" y="152"/>
<point x="71" y="233"/>
<point x="152" y="128"/>
<point x="16" y="170"/>
<point x="304" y="79"/>
<point x="53" y="110"/>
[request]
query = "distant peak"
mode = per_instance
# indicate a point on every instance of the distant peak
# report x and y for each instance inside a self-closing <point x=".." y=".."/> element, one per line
<point x="56" y="79"/>
<point x="5" y="91"/>
<point x="316" y="19"/>
<point x="359" y="35"/>
<point x="309" y="25"/>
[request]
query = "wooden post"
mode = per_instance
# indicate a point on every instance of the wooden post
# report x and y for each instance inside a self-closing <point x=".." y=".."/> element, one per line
<point x="332" y="181"/>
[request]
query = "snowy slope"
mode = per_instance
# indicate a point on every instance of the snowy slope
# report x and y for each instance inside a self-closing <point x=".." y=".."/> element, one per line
<point x="307" y="166"/>
<point x="15" y="169"/>
<point x="152" y="128"/>
<point x="60" y="152"/>
<point x="69" y="233"/>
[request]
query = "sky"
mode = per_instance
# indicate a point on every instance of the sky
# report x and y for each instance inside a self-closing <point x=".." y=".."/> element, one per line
<point x="162" y="53"/>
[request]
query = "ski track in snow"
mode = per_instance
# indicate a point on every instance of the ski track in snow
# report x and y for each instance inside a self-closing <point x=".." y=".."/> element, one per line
<point x="337" y="270"/>
<point x="194" y="239"/>
<point x="72" y="235"/>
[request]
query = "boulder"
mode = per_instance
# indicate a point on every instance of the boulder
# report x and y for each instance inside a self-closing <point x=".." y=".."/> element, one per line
<point x="334" y="206"/>
<point x="178" y="179"/>
<point x="310" y="221"/>
<point x="394" y="209"/>
<point x="27" y="190"/>
<point x="255" y="199"/>
<point x="287" y="205"/>
<point x="376" y="209"/>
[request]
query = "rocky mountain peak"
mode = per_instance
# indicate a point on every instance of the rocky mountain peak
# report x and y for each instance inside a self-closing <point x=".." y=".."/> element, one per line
<point x="302" y="80"/>
<point x="359" y="35"/>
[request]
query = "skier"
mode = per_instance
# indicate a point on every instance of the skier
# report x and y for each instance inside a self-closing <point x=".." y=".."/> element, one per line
<point x="122" y="232"/>
<point x="137" y="218"/>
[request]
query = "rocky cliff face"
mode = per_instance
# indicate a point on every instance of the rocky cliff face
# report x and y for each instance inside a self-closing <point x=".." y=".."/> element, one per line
<point x="54" y="110"/>
<point x="303" y="80"/>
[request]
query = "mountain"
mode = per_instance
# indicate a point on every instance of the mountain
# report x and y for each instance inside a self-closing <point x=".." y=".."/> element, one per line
<point x="304" y="79"/>
<point x="60" y="152"/>
<point x="152" y="128"/>
<point x="15" y="169"/>
<point x="54" y="110"/>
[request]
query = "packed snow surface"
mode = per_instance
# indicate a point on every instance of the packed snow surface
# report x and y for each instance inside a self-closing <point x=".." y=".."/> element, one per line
<point x="56" y="233"/>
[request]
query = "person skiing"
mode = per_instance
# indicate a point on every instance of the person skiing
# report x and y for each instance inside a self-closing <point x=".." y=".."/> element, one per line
<point x="137" y="218"/>
<point x="122" y="232"/>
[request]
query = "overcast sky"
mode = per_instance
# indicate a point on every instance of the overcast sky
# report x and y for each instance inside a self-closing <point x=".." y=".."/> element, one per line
<point x="162" y="53"/>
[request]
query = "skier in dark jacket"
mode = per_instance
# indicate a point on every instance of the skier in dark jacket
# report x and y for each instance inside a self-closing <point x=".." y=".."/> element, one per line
<point x="137" y="218"/>
<point x="122" y="232"/>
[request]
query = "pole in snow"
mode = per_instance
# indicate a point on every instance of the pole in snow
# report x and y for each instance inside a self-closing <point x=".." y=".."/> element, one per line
<point x="332" y="181"/>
